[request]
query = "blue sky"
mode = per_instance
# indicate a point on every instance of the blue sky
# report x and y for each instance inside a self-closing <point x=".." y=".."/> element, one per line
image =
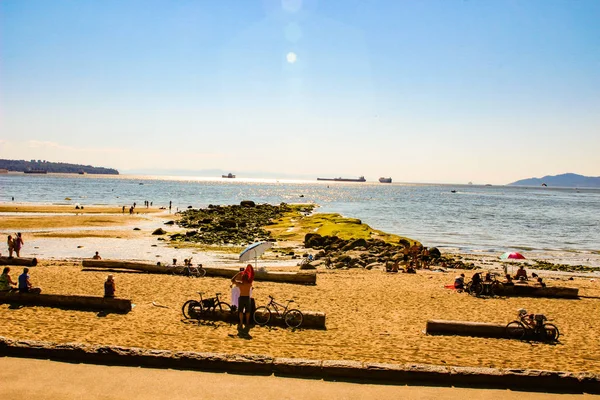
<point x="423" y="91"/>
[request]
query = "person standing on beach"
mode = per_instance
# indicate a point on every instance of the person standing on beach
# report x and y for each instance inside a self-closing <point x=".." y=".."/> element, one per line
<point x="17" y="244"/>
<point x="97" y="256"/>
<point x="235" y="291"/>
<point x="244" y="283"/>
<point x="11" y="246"/>
<point x="170" y="204"/>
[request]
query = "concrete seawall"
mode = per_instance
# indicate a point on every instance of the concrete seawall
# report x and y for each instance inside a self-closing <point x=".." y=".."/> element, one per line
<point x="354" y="371"/>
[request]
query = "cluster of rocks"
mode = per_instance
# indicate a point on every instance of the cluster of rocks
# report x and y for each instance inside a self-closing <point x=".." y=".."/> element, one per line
<point x="234" y="224"/>
<point x="335" y="252"/>
<point x="354" y="253"/>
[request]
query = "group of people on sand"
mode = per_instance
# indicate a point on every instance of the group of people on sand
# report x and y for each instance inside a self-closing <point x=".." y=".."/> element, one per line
<point x="23" y="284"/>
<point x="414" y="257"/>
<point x="241" y="296"/>
<point x="14" y="244"/>
<point x="520" y="275"/>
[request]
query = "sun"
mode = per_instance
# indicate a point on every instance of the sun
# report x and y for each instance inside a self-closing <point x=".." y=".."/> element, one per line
<point x="291" y="57"/>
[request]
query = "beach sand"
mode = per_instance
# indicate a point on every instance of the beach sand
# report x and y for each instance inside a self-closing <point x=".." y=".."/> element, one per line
<point x="371" y="315"/>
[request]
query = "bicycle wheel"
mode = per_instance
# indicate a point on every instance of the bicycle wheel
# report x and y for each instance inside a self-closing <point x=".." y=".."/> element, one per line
<point x="476" y="289"/>
<point x="191" y="308"/>
<point x="262" y="316"/>
<point x="201" y="273"/>
<point x="515" y="330"/>
<point x="550" y="332"/>
<point x="224" y="307"/>
<point x="293" y="318"/>
<point x="498" y="287"/>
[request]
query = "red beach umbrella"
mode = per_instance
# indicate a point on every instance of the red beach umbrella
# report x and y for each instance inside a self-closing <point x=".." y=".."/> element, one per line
<point x="512" y="256"/>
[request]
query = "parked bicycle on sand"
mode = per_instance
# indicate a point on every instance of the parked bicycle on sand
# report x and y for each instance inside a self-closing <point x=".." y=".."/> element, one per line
<point x="194" y="309"/>
<point x="293" y="317"/>
<point x="532" y="326"/>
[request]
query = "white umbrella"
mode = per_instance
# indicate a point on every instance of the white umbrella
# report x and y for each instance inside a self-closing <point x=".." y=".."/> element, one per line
<point x="254" y="251"/>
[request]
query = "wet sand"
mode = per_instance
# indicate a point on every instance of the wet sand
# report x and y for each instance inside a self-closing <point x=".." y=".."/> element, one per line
<point x="42" y="379"/>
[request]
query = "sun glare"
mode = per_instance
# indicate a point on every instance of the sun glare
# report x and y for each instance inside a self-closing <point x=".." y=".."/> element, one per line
<point x="291" y="57"/>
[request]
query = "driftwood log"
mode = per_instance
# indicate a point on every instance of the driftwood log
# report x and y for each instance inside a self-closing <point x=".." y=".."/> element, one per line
<point x="311" y="320"/>
<point x="466" y="328"/>
<point x="27" y="262"/>
<point x="538" y="291"/>
<point x="71" y="302"/>
<point x="302" y="278"/>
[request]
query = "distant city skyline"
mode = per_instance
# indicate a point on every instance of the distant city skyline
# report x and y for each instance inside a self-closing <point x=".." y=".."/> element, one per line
<point x="431" y="91"/>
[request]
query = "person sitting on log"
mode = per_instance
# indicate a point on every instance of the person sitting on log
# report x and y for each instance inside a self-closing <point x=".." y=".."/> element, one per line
<point x="97" y="256"/>
<point x="25" y="285"/>
<point x="6" y="282"/>
<point x="476" y="279"/>
<point x="521" y="274"/>
<point x="109" y="287"/>
<point x="540" y="282"/>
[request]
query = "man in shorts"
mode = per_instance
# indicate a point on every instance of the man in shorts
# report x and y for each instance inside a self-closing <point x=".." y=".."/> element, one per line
<point x="244" y="302"/>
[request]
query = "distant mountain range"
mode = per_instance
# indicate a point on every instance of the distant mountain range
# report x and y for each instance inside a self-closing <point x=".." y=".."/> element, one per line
<point x="564" y="180"/>
<point x="56" y="167"/>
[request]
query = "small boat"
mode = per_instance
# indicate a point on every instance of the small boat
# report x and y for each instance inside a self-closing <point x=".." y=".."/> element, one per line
<point x="81" y="172"/>
<point x="360" y="179"/>
<point x="453" y="191"/>
<point x="385" y="180"/>
<point x="229" y="175"/>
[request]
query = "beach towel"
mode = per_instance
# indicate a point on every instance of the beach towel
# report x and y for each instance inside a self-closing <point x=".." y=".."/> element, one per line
<point x="235" y="295"/>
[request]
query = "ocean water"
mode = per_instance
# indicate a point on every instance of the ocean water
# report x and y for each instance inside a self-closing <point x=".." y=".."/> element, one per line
<point x="554" y="223"/>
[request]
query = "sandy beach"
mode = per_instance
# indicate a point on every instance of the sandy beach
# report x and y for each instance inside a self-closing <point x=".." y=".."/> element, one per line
<point x="371" y="316"/>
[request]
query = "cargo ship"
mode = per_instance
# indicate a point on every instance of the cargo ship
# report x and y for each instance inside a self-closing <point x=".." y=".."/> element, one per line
<point x="35" y="171"/>
<point x="385" y="180"/>
<point x="360" y="179"/>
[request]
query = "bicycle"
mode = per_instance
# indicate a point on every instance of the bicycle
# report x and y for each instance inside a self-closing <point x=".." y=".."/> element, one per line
<point x="194" y="272"/>
<point x="293" y="317"/>
<point x="488" y="287"/>
<point x="193" y="309"/>
<point x="188" y="270"/>
<point x="532" y="325"/>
